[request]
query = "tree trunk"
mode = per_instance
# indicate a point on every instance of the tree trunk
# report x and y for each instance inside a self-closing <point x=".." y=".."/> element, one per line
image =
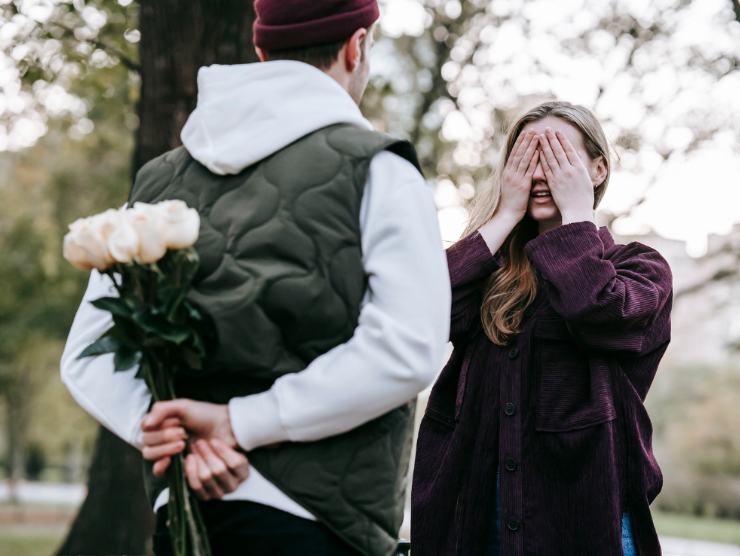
<point x="115" y="517"/>
<point x="176" y="39"/>
<point x="16" y="403"/>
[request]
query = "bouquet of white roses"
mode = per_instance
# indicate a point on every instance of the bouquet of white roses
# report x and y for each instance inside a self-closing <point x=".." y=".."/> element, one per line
<point x="147" y="252"/>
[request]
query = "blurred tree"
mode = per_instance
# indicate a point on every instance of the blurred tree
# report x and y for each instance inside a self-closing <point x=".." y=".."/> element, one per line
<point x="661" y="89"/>
<point x="75" y="46"/>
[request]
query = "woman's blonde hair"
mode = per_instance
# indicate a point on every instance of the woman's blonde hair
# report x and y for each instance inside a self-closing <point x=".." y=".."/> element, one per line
<point x="513" y="287"/>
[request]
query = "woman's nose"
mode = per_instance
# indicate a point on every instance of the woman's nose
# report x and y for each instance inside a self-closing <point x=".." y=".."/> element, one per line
<point x="539" y="173"/>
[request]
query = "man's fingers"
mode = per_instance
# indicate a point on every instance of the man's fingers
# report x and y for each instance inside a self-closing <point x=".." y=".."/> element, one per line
<point x="153" y="453"/>
<point x="191" y="471"/>
<point x="206" y="477"/>
<point x="237" y="462"/>
<point x="164" y="436"/>
<point x="222" y="475"/>
<point x="162" y="411"/>
<point x="160" y="466"/>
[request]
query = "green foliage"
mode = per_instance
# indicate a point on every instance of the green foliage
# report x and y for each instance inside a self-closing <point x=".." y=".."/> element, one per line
<point x="153" y="318"/>
<point x="74" y="170"/>
<point x="697" y="441"/>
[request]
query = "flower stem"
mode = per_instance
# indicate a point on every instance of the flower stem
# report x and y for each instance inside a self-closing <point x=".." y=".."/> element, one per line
<point x="188" y="533"/>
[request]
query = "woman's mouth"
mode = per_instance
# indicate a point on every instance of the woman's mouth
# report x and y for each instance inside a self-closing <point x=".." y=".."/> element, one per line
<point x="541" y="197"/>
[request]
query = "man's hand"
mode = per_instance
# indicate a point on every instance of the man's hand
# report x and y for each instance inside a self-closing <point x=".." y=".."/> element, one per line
<point x="169" y="424"/>
<point x="214" y="469"/>
<point x="199" y="419"/>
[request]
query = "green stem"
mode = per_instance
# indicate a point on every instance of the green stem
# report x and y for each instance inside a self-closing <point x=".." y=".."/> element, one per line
<point x="187" y="530"/>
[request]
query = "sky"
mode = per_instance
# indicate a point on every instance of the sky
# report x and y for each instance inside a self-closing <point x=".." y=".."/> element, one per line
<point x="691" y="197"/>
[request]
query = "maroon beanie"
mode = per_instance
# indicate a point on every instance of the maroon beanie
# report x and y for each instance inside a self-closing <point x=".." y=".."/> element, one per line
<point x="284" y="24"/>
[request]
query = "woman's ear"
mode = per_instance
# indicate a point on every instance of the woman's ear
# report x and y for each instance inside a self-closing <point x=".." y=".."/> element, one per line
<point x="599" y="171"/>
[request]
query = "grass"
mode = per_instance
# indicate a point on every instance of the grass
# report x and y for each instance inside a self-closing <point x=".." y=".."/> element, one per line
<point x="43" y="540"/>
<point x="30" y="540"/>
<point x="698" y="528"/>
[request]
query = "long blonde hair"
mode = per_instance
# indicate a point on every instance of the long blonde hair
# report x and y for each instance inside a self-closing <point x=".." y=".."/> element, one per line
<point x="513" y="287"/>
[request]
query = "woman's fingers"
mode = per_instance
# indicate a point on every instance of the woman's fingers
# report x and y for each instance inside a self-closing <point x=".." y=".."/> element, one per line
<point x="557" y="148"/>
<point x="164" y="436"/>
<point x="516" y="157"/>
<point x="236" y="461"/>
<point x="517" y="145"/>
<point x="549" y="154"/>
<point x="547" y="169"/>
<point x="532" y="165"/>
<point x="528" y="154"/>
<point x="160" y="466"/>
<point x="570" y="152"/>
<point x="153" y="453"/>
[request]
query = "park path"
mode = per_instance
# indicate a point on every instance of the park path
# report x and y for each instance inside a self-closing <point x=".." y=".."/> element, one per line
<point x="683" y="547"/>
<point x="72" y="495"/>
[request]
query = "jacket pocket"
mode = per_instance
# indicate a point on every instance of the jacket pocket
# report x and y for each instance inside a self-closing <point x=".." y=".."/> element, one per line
<point x="573" y="386"/>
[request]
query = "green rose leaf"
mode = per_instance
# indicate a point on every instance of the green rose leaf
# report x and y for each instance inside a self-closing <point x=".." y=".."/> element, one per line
<point x="126" y="358"/>
<point x="105" y="344"/>
<point x="114" y="305"/>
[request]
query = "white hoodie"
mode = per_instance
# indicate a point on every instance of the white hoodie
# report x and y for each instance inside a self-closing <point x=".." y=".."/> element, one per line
<point x="244" y="114"/>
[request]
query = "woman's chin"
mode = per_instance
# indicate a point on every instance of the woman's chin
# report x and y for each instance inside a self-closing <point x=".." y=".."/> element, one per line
<point x="543" y="213"/>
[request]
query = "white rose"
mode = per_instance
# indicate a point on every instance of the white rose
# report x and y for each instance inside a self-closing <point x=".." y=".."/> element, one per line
<point x="147" y="222"/>
<point x="181" y="224"/>
<point x="123" y="243"/>
<point x="84" y="244"/>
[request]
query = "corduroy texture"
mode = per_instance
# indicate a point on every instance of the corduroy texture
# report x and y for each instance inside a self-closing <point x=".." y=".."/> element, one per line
<point x="559" y="411"/>
<point x="285" y="24"/>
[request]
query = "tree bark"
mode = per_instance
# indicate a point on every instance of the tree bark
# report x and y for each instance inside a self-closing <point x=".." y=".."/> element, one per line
<point x="115" y="517"/>
<point x="177" y="38"/>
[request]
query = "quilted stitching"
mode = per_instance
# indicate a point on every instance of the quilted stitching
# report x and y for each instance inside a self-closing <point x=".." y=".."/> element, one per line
<point x="281" y="275"/>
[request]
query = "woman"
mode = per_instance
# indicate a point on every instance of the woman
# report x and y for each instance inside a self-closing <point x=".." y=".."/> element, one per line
<point x="535" y="440"/>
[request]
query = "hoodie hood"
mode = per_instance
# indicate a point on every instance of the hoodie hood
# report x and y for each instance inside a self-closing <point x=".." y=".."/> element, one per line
<point x="247" y="112"/>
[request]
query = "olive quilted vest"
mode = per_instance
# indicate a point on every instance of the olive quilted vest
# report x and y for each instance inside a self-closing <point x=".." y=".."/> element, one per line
<point x="282" y="278"/>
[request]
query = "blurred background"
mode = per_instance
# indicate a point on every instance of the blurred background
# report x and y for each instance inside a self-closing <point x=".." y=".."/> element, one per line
<point x="90" y="90"/>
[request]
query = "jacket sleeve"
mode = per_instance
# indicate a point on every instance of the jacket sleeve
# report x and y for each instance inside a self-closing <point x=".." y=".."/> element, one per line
<point x="471" y="263"/>
<point x="118" y="400"/>
<point x="619" y="304"/>
<point x="397" y="348"/>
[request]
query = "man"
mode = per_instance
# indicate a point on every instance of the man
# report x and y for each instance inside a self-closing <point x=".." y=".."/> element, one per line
<point x="323" y="272"/>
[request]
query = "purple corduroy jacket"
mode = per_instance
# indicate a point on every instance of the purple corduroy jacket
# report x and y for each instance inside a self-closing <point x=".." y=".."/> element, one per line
<point x="558" y="412"/>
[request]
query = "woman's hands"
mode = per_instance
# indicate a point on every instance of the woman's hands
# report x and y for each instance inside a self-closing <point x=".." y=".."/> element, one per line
<point x="516" y="179"/>
<point x="516" y="184"/>
<point x="567" y="178"/>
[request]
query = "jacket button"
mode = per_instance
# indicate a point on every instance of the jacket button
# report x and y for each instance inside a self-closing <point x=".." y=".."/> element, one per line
<point x="509" y="409"/>
<point x="513" y="353"/>
<point x="510" y="464"/>
<point x="513" y="524"/>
